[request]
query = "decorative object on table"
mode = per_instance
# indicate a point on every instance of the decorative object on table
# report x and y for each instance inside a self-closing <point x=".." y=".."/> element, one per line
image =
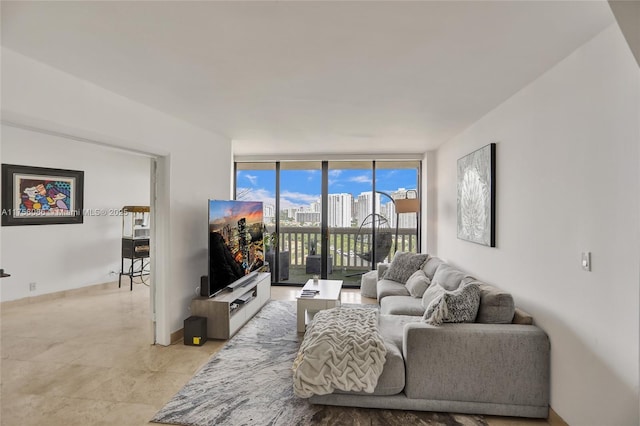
<point x="41" y="196"/>
<point x="476" y="196"/>
<point x="226" y="392"/>
<point x="309" y="293"/>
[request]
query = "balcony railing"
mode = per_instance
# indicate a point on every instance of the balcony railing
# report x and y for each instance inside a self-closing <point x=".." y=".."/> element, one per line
<point x="343" y="245"/>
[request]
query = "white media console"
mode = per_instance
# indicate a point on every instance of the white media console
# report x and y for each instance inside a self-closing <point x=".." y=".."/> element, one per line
<point x="224" y="316"/>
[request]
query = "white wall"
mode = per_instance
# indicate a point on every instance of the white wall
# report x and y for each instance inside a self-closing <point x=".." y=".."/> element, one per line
<point x="567" y="181"/>
<point x="63" y="257"/>
<point x="194" y="165"/>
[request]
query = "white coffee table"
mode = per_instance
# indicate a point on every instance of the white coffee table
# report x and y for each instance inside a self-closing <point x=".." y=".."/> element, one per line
<point x="328" y="296"/>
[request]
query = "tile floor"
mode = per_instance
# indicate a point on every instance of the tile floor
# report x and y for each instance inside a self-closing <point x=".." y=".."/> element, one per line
<point x="85" y="359"/>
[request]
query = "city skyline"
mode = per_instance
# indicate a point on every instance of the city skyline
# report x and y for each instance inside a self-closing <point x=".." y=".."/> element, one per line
<point x="349" y="198"/>
<point x="300" y="188"/>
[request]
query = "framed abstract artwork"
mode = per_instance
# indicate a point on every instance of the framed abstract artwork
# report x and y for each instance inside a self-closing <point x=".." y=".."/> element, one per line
<point x="41" y="196"/>
<point x="476" y="196"/>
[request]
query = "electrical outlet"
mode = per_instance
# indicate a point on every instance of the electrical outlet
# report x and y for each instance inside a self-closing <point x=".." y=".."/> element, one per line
<point x="32" y="286"/>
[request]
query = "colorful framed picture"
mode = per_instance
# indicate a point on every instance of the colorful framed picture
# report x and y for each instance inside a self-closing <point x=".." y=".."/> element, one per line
<point x="477" y="196"/>
<point x="41" y="196"/>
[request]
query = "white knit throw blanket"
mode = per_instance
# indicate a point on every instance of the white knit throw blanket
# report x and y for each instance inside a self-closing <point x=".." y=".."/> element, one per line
<point x="342" y="349"/>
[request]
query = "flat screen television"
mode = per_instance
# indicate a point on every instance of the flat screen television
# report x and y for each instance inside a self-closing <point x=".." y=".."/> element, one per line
<point x="236" y="244"/>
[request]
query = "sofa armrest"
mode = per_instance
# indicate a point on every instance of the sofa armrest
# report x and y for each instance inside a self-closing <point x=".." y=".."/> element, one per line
<point x="382" y="267"/>
<point x="492" y="363"/>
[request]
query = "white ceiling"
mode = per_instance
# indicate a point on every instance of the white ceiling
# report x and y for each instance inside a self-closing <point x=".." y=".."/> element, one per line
<point x="309" y="77"/>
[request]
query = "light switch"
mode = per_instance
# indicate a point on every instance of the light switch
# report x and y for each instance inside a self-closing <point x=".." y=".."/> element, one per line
<point x="586" y="260"/>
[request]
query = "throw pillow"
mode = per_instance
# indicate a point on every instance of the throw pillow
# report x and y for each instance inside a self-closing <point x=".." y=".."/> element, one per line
<point x="403" y="265"/>
<point x="460" y="305"/>
<point x="417" y="283"/>
<point x="431" y="266"/>
<point x="448" y="277"/>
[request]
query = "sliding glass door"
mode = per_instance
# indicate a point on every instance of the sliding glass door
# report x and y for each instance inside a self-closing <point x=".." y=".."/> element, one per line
<point x="335" y="219"/>
<point x="350" y="218"/>
<point x="398" y="181"/>
<point x="300" y="219"/>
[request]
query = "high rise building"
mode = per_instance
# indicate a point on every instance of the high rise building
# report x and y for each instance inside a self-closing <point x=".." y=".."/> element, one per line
<point x="311" y="218"/>
<point x="364" y="207"/>
<point x="340" y="210"/>
<point x="269" y="213"/>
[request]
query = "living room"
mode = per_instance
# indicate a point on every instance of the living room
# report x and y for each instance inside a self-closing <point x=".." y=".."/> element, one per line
<point x="565" y="122"/>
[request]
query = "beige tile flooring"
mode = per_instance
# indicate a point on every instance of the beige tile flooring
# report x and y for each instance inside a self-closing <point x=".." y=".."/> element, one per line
<point x="85" y="359"/>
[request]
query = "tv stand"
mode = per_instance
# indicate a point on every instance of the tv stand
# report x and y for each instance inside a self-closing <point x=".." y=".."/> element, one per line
<point x="225" y="316"/>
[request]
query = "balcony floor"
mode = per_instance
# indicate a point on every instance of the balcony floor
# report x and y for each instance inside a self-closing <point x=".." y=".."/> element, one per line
<point x="350" y="276"/>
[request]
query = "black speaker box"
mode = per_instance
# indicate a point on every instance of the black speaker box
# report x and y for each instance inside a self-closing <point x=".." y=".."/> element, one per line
<point x="195" y="331"/>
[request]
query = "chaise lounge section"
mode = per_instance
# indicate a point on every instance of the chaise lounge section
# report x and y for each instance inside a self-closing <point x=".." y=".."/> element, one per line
<point x="497" y="365"/>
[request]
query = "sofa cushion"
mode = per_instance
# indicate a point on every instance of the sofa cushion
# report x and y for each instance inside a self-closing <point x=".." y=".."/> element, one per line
<point x="496" y="306"/>
<point x="392" y="327"/>
<point x="369" y="284"/>
<point x="522" y="317"/>
<point x="417" y="283"/>
<point x="430" y="266"/>
<point x="391" y="288"/>
<point x="401" y="305"/>
<point x="382" y="268"/>
<point x="460" y="305"/>
<point x="448" y="277"/>
<point x="403" y="265"/>
<point x="392" y="378"/>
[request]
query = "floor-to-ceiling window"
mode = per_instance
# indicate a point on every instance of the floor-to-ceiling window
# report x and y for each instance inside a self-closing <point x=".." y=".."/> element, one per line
<point x="300" y="218"/>
<point x="341" y="211"/>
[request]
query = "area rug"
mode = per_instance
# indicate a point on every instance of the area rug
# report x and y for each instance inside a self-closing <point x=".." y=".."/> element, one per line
<point x="249" y="382"/>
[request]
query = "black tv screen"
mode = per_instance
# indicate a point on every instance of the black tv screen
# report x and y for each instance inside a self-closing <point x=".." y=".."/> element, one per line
<point x="236" y="244"/>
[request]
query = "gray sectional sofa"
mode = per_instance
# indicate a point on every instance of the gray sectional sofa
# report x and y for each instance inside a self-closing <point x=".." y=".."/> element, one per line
<point x="498" y="365"/>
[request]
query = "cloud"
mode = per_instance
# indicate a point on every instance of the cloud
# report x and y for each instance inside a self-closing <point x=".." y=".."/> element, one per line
<point x="256" y="194"/>
<point x="288" y="199"/>
<point x="297" y="198"/>
<point x="361" y="179"/>
<point x="334" y="173"/>
<point x="251" y="178"/>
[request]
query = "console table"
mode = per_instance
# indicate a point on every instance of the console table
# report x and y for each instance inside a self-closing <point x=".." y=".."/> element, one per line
<point x="224" y="316"/>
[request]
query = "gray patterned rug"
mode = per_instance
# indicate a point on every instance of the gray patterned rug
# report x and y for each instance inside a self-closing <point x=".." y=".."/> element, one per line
<point x="249" y="382"/>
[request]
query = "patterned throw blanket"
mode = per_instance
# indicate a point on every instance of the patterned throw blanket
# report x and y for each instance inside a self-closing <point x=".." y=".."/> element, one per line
<point x="342" y="349"/>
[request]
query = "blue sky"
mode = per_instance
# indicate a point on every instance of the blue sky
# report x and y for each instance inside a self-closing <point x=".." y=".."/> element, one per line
<point x="301" y="187"/>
